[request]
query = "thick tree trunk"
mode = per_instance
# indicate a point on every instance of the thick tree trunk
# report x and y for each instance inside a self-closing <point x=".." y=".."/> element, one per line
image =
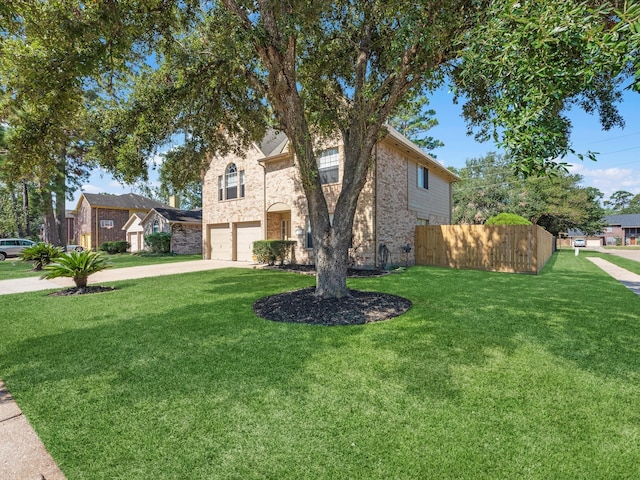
<point x="25" y="208"/>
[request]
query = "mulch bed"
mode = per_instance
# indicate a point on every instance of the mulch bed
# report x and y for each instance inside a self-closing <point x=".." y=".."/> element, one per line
<point x="311" y="270"/>
<point x="81" y="291"/>
<point x="302" y="306"/>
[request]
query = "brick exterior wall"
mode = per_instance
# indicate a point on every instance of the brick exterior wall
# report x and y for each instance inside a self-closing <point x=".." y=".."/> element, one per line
<point x="387" y="207"/>
<point x="186" y="239"/>
<point x="88" y="223"/>
<point x="395" y="221"/>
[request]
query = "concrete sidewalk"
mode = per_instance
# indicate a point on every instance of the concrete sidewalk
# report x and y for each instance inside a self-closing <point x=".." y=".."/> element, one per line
<point x="628" y="279"/>
<point x="22" y="454"/>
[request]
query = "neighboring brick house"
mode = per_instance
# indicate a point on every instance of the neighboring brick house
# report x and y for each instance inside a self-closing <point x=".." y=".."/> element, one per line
<point x="99" y="217"/>
<point x="259" y="196"/>
<point x="623" y="229"/>
<point x="185" y="227"/>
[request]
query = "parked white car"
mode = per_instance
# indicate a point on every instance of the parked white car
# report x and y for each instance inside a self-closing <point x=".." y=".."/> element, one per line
<point x="579" y="242"/>
<point x="11" y="247"/>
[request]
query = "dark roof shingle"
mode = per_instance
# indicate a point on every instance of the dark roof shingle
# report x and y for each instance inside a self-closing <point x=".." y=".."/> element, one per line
<point x="129" y="201"/>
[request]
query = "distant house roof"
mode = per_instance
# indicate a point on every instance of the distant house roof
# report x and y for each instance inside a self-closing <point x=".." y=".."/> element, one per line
<point x="126" y="201"/>
<point x="624" y="220"/>
<point x="572" y="232"/>
<point x="175" y="215"/>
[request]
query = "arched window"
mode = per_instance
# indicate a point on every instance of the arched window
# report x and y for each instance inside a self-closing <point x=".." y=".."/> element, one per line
<point x="231" y="181"/>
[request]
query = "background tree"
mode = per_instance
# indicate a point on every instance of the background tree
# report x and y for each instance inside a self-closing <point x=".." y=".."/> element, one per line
<point x="489" y="186"/>
<point x="619" y="202"/>
<point x="414" y="120"/>
<point x="485" y="189"/>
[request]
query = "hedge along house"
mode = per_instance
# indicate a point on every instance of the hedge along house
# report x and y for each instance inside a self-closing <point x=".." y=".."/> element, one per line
<point x="259" y="196"/>
<point x="99" y="217"/>
<point x="184" y="226"/>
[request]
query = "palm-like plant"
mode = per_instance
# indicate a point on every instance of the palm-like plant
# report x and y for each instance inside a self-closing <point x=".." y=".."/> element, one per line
<point x="41" y="254"/>
<point x="77" y="265"/>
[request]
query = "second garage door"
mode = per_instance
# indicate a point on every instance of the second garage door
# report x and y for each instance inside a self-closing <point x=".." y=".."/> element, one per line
<point x="246" y="234"/>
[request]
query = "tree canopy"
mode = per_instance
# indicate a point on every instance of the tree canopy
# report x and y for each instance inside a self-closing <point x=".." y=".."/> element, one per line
<point x="219" y="73"/>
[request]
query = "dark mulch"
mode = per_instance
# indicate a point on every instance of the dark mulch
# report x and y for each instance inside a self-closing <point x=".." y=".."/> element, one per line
<point x="311" y="270"/>
<point x="302" y="306"/>
<point x="81" y="291"/>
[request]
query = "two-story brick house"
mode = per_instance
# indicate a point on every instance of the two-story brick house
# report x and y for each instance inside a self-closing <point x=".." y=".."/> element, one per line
<point x="99" y="217"/>
<point x="259" y="196"/>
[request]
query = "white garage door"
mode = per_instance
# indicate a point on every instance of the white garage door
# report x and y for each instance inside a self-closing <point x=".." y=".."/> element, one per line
<point x="135" y="241"/>
<point x="220" y="242"/>
<point x="593" y="243"/>
<point x="246" y="234"/>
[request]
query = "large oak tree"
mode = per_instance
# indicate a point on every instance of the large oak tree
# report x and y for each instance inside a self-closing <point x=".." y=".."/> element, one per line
<point x="220" y="72"/>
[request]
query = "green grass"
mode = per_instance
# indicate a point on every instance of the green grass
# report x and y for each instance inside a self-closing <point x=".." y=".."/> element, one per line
<point x="14" y="268"/>
<point x="122" y="260"/>
<point x="487" y="376"/>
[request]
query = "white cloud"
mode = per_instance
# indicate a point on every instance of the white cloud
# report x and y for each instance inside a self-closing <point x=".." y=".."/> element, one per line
<point x="609" y="180"/>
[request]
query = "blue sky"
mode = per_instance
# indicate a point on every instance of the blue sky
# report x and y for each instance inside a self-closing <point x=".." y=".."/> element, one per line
<point x="617" y="168"/>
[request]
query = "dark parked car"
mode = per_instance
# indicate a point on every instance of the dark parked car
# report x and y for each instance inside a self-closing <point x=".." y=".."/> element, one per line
<point x="579" y="242"/>
<point x="11" y="247"/>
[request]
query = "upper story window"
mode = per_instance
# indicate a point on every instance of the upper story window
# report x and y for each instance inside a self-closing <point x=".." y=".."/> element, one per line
<point x="231" y="181"/>
<point x="423" y="177"/>
<point x="231" y="185"/>
<point x="328" y="165"/>
<point x="156" y="226"/>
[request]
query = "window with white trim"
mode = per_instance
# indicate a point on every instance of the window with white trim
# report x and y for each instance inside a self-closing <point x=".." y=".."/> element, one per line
<point x="241" y="183"/>
<point x="422" y="222"/>
<point x="106" y="223"/>
<point x="231" y="181"/>
<point x="220" y="188"/>
<point x="329" y="165"/>
<point x="423" y="177"/>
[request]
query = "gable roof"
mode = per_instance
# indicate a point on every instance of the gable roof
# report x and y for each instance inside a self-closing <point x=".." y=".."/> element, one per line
<point x="132" y="219"/>
<point x="126" y="201"/>
<point x="175" y="215"/>
<point x="624" y="220"/>
<point x="275" y="143"/>
<point x="402" y="143"/>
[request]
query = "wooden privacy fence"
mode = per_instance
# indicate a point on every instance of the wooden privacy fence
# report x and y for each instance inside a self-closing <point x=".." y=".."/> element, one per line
<point x="498" y="248"/>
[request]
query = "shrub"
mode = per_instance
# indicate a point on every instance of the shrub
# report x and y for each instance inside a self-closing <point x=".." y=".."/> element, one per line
<point x="507" y="219"/>
<point x="76" y="265"/>
<point x="270" y="251"/>
<point x="158" y="242"/>
<point x="115" y="247"/>
<point x="41" y="254"/>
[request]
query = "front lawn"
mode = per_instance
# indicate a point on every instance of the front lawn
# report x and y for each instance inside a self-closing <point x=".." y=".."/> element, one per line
<point x="487" y="376"/>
